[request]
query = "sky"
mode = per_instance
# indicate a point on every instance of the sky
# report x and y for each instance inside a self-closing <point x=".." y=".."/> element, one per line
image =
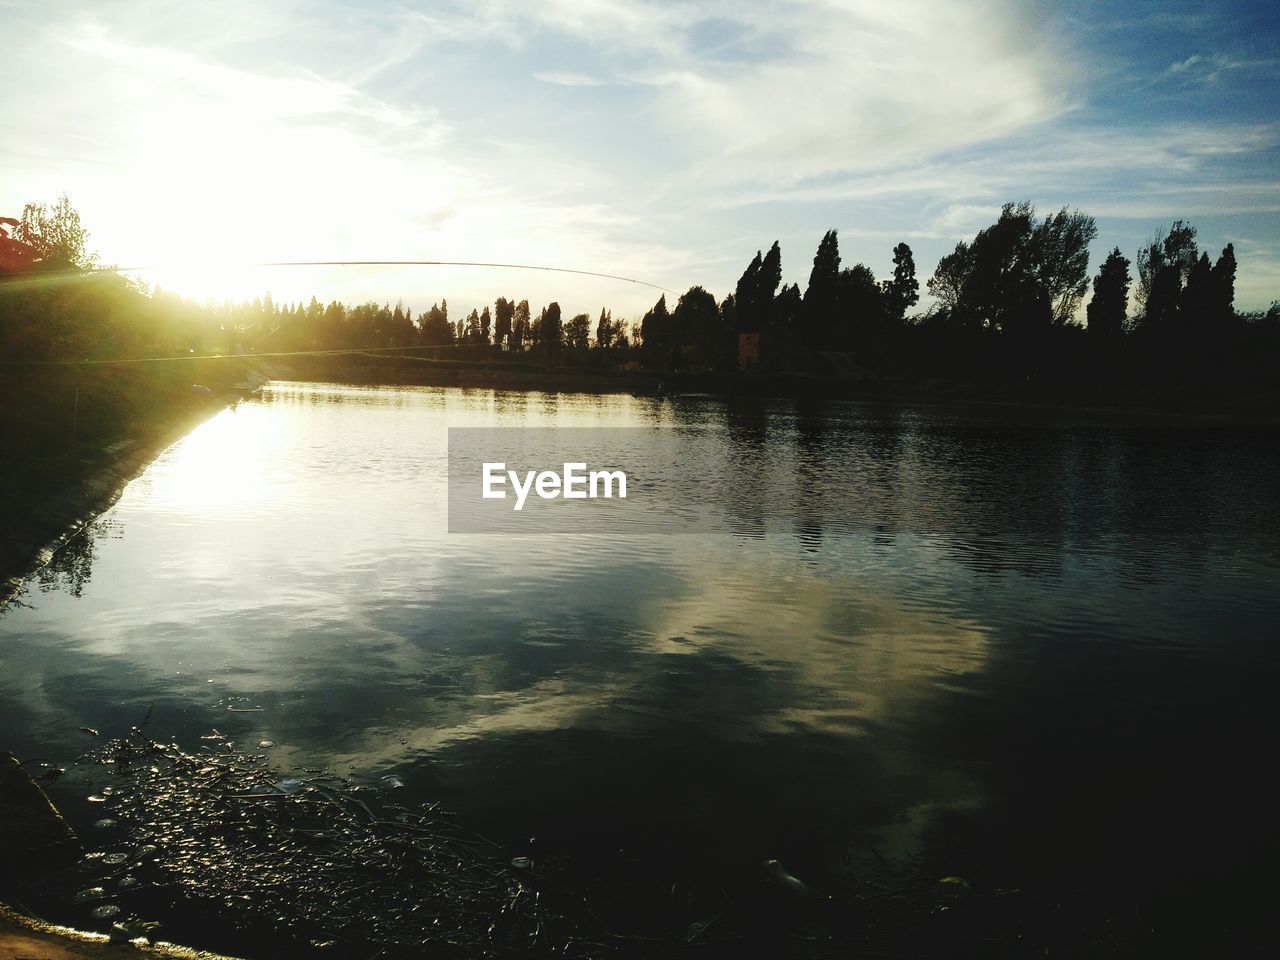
<point x="662" y="141"/>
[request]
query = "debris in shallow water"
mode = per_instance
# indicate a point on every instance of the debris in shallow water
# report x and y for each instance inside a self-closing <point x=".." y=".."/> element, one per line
<point x="92" y="893"/>
<point x="312" y="857"/>
<point x="784" y="882"/>
<point x="97" y="798"/>
<point x="265" y="745"/>
<point x="521" y="863"/>
<point x="115" y="858"/>
<point x="89" y="730"/>
<point x="106" y="823"/>
<point x="135" y="927"/>
<point x="105" y="912"/>
<point x="699" y="927"/>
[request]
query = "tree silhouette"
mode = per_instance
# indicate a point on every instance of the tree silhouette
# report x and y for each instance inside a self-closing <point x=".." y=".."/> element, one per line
<point x="1164" y="266"/>
<point x="577" y="331"/>
<point x="435" y="327"/>
<point x="55" y="236"/>
<point x="903" y="291"/>
<point x="1060" y="259"/>
<point x="655" y="327"/>
<point x="767" y="284"/>
<point x="605" y="329"/>
<point x="860" y="309"/>
<point x="503" y="312"/>
<point x="1197" y="303"/>
<point x="520" y="326"/>
<point x="1107" y="309"/>
<point x="789" y="306"/>
<point x="697" y="327"/>
<point x="746" y="313"/>
<point x="1222" y="303"/>
<point x="550" y="330"/>
<point x="753" y="308"/>
<point x="1019" y="274"/>
<point x="820" y="297"/>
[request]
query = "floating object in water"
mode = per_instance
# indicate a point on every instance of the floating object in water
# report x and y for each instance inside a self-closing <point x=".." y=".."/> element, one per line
<point x="115" y="858"/>
<point x="395" y="783"/>
<point x="89" y="730"/>
<point x="521" y="863"/>
<point x="125" y="883"/>
<point x="91" y="893"/>
<point x="266" y="744"/>
<point x="97" y="798"/>
<point x="106" y="823"/>
<point x="785" y="882"/>
<point x="105" y="912"/>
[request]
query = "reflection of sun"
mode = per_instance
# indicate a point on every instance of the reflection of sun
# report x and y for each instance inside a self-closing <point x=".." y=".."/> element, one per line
<point x="221" y="464"/>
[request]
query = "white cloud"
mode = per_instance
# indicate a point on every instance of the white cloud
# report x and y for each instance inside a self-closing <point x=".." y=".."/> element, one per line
<point x="569" y="79"/>
<point x="851" y="85"/>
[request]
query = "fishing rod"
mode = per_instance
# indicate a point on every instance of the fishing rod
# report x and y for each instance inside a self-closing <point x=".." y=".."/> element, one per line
<point x="74" y="274"/>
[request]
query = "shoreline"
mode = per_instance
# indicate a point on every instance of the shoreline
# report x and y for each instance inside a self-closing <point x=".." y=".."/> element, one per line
<point x="1152" y="405"/>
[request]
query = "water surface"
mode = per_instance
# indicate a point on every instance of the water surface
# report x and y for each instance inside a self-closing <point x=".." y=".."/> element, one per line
<point x="1033" y="648"/>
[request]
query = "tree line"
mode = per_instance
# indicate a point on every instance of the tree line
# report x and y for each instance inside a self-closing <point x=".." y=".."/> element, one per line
<point x="1006" y="303"/>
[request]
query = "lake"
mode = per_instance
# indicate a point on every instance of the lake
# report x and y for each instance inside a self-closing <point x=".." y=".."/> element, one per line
<point x="1033" y="649"/>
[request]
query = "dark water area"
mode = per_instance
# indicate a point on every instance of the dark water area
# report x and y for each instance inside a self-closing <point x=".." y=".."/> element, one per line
<point x="1032" y="650"/>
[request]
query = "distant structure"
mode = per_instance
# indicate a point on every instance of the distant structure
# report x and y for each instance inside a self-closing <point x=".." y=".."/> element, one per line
<point x="748" y="350"/>
<point x="15" y="256"/>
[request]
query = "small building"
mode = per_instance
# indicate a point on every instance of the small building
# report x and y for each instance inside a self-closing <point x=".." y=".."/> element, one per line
<point x="748" y="350"/>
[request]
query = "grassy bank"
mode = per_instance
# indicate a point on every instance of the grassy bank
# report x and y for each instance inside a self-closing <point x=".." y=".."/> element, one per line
<point x="74" y="434"/>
